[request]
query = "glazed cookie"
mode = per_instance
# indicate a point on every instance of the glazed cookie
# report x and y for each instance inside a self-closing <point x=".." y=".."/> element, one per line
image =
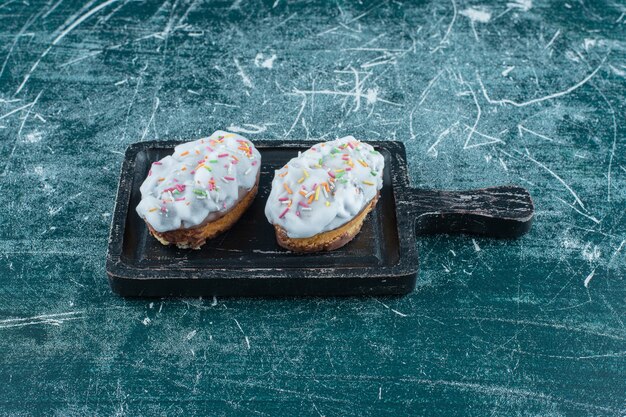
<point x="320" y="199"/>
<point x="200" y="190"/>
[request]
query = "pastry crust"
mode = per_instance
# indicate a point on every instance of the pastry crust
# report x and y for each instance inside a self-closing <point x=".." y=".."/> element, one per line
<point x="195" y="237"/>
<point x="326" y="241"/>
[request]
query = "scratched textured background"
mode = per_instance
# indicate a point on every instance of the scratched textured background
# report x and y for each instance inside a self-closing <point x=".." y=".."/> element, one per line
<point x="525" y="92"/>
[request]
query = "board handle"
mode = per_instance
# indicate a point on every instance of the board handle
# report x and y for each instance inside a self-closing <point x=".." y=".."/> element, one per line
<point x="503" y="212"/>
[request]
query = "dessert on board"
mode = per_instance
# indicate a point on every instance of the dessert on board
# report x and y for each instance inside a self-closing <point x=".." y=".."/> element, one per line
<point x="320" y="199"/>
<point x="200" y="190"/>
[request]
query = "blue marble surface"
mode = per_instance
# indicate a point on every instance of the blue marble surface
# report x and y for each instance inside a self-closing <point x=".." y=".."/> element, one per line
<point x="481" y="93"/>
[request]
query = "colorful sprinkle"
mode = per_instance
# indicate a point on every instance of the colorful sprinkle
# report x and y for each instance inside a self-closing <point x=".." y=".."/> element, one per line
<point x="287" y="188"/>
<point x="368" y="183"/>
<point x="184" y="153"/>
<point x="222" y="155"/>
<point x="362" y="162"/>
<point x="283" y="213"/>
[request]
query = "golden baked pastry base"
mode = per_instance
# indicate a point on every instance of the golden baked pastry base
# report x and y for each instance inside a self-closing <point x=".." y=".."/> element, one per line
<point x="326" y="241"/>
<point x="195" y="237"/>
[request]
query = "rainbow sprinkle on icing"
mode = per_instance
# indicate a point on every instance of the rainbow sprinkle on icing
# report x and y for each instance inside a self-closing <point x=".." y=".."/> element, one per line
<point x="181" y="189"/>
<point x="338" y="177"/>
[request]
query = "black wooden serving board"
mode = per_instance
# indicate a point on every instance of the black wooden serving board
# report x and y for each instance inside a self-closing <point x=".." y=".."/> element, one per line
<point x="246" y="260"/>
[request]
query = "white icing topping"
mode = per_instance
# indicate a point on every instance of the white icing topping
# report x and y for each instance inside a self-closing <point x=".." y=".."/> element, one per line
<point x="324" y="187"/>
<point x="201" y="181"/>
